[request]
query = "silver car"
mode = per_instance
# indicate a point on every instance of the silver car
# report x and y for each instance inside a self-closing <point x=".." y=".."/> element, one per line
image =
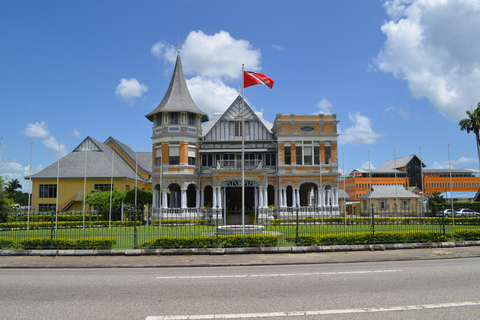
<point x="447" y="213"/>
<point x="467" y="213"/>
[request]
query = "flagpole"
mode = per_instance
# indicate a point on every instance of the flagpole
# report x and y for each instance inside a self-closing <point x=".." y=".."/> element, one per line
<point x="423" y="188"/>
<point x="84" y="187"/>
<point x="243" y="149"/>
<point x="111" y="192"/>
<point x="395" y="168"/>
<point x="58" y="181"/>
<point x="451" y="187"/>
<point x="1" y="147"/>
<point x="29" y="188"/>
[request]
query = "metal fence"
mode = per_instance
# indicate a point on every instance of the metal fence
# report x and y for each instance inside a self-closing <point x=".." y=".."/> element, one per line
<point x="261" y="227"/>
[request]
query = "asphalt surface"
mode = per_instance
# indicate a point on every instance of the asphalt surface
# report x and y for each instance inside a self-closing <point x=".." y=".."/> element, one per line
<point x="234" y="257"/>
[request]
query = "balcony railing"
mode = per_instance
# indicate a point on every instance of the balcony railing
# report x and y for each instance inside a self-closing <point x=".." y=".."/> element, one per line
<point x="237" y="164"/>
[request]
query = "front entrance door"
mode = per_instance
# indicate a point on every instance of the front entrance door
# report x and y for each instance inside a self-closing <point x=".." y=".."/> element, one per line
<point x="234" y="205"/>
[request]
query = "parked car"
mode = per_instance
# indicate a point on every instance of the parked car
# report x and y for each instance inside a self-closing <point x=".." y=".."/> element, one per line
<point x="467" y="213"/>
<point x="447" y="213"/>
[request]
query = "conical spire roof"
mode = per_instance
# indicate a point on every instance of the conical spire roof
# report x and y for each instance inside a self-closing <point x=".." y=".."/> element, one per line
<point x="177" y="98"/>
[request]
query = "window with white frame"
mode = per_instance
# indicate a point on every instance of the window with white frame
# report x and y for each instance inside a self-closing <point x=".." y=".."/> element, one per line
<point x="192" y="156"/>
<point x="238" y="129"/>
<point x="174" y="155"/>
<point x="158" y="157"/>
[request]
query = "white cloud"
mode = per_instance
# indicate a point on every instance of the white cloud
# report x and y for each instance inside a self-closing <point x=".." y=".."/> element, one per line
<point x="367" y="165"/>
<point x="128" y="89"/>
<point x="76" y="133"/>
<point x="404" y="114"/>
<point x="277" y="48"/>
<point x="211" y="95"/>
<point x="360" y="133"/>
<point x="460" y="163"/>
<point x="432" y="45"/>
<point x="215" y="64"/>
<point x="325" y="106"/>
<point x="39" y="130"/>
<point x="11" y="169"/>
<point x="157" y="49"/>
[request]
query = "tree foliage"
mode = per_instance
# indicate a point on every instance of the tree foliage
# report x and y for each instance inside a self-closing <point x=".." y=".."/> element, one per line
<point x="472" y="124"/>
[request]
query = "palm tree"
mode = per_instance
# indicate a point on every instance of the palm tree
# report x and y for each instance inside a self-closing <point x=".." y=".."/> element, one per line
<point x="13" y="185"/>
<point x="472" y="123"/>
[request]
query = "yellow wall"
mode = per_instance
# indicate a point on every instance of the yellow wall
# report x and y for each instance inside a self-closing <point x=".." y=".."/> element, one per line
<point x="68" y="190"/>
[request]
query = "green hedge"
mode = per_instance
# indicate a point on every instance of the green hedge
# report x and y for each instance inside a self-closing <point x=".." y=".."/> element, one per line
<point x="386" y="221"/>
<point x="64" y="243"/>
<point x="6" y="242"/>
<point x="263" y="240"/>
<point x="174" y="222"/>
<point x="66" y="224"/>
<point x="386" y="237"/>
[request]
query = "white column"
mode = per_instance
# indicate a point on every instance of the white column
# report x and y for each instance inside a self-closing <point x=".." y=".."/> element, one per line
<point x="298" y="196"/>
<point x="335" y="197"/>
<point x="294" y="198"/>
<point x="184" y="199"/>
<point x="202" y="200"/>
<point x="214" y="200"/>
<point x="219" y="197"/>
<point x="260" y="197"/>
<point x="165" y="199"/>
<point x="265" y="196"/>
<point x="197" y="202"/>
<point x="280" y="198"/>
<point x="329" y="195"/>
<point x="284" y="191"/>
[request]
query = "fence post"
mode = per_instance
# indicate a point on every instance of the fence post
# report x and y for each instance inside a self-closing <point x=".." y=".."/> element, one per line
<point x="373" y="225"/>
<point x="51" y="232"/>
<point x="443" y="221"/>
<point x="297" y="242"/>
<point x="217" y="224"/>
<point x="135" y="239"/>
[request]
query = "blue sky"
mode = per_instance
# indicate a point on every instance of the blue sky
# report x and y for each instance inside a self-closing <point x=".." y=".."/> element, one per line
<point x="398" y="74"/>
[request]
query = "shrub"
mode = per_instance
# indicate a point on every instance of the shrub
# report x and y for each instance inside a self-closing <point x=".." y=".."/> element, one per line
<point x="64" y="243"/>
<point x="6" y="242"/>
<point x="211" y="241"/>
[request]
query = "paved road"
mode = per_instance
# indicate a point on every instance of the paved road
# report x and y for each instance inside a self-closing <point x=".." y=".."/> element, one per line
<point x="421" y="289"/>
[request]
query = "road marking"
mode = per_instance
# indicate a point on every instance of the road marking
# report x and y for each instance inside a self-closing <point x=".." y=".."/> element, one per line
<point x="314" y="313"/>
<point x="278" y="274"/>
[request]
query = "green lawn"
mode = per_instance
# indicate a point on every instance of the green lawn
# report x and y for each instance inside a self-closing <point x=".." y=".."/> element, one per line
<point x="125" y="235"/>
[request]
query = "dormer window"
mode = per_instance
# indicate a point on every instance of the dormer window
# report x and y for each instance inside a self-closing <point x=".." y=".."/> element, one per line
<point x="191" y="119"/>
<point x="174" y="118"/>
<point x="238" y="129"/>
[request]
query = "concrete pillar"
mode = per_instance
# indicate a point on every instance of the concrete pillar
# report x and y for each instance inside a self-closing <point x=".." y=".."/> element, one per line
<point x="164" y="201"/>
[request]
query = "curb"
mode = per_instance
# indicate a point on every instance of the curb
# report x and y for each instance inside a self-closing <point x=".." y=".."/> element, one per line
<point x="233" y="251"/>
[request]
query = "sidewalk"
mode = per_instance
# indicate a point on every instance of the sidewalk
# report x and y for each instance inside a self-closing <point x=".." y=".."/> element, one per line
<point x="235" y="256"/>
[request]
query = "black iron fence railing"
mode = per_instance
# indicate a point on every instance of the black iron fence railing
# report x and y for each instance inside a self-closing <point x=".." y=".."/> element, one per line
<point x="212" y="228"/>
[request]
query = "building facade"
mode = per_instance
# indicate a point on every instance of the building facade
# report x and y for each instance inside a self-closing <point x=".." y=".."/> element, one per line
<point x="288" y="165"/>
<point x="91" y="165"/>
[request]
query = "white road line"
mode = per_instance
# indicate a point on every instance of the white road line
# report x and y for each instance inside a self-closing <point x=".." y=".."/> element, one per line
<point x="314" y="313"/>
<point x="277" y="275"/>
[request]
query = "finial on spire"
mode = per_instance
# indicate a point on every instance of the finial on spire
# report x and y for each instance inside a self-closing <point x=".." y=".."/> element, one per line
<point x="178" y="45"/>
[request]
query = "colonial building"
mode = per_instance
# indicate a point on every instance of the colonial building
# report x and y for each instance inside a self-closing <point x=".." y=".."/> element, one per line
<point x="388" y="200"/>
<point x="290" y="164"/>
<point x="91" y="165"/>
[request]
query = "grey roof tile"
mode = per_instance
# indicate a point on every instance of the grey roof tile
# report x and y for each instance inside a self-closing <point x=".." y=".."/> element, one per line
<point x="177" y="98"/>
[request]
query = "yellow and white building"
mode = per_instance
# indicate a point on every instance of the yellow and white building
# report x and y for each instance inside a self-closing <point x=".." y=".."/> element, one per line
<point x="197" y="162"/>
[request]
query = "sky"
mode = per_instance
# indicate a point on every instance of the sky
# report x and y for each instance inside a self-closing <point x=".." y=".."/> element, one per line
<point x="398" y="74"/>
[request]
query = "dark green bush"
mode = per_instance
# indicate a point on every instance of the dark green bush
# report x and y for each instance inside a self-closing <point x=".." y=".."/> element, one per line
<point x="6" y="242"/>
<point x="211" y="241"/>
<point x="63" y="243"/>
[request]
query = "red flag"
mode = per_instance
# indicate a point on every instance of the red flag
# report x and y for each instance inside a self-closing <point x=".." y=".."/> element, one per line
<point x="252" y="78"/>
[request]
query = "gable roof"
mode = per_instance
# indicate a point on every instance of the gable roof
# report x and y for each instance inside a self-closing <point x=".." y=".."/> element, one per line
<point x="388" y="192"/>
<point x="231" y="114"/>
<point x="400" y="162"/>
<point x="177" y="98"/>
<point x="98" y="157"/>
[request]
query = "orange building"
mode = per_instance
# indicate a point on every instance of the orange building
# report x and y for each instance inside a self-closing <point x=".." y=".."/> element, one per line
<point x="438" y="180"/>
